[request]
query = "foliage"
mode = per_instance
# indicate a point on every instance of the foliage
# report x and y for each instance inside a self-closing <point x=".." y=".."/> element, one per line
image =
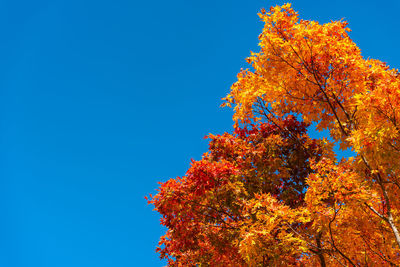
<point x="268" y="194"/>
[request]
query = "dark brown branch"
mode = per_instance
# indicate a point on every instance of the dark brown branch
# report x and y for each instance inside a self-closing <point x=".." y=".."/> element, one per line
<point x="332" y="239"/>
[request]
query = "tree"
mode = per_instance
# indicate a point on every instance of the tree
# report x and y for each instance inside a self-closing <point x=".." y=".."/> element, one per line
<point x="269" y="195"/>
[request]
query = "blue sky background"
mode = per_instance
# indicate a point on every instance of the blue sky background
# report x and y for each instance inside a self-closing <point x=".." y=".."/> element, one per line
<point x="99" y="100"/>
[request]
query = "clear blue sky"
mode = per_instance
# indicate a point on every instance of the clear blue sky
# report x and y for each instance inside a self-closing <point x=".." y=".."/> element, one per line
<point x="102" y="99"/>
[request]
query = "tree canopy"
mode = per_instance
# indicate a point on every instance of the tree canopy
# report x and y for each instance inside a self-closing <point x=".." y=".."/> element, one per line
<point x="269" y="194"/>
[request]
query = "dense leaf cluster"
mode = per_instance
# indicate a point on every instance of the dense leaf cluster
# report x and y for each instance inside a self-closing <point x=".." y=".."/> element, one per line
<point x="268" y="194"/>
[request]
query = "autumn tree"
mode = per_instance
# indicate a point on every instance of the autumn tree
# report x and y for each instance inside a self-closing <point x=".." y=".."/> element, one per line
<point x="270" y="195"/>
